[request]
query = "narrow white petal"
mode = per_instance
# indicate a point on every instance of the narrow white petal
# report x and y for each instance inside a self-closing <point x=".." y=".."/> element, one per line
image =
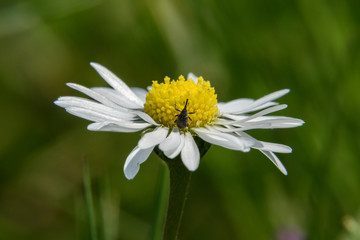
<point x="117" y="127"/>
<point x="243" y="127"/>
<point x="279" y="121"/>
<point x="116" y="97"/>
<point x="178" y="149"/>
<point x="116" y="83"/>
<point x="266" y="111"/>
<point x="133" y="161"/>
<point x="275" y="147"/>
<point x="91" y="115"/>
<point x="67" y="102"/>
<point x="234" y="105"/>
<point x="190" y="154"/>
<point x="171" y="143"/>
<point x="268" y="98"/>
<point x="241" y="138"/>
<point x="271" y="124"/>
<point x="94" y="95"/>
<point x="262" y="106"/>
<point x="192" y="77"/>
<point x="225" y="140"/>
<point x="146" y="118"/>
<point x="275" y="160"/>
<point x="153" y="138"/>
<point x="140" y="93"/>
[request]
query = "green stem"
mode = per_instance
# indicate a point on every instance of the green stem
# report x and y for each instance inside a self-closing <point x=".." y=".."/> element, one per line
<point x="180" y="178"/>
<point x="179" y="186"/>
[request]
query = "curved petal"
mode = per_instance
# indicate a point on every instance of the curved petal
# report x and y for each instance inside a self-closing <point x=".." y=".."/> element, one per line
<point x="116" y="83"/>
<point x="275" y="160"/>
<point x="151" y="139"/>
<point x="133" y="161"/>
<point x="171" y="143"/>
<point x="176" y="152"/>
<point x="190" y="154"/>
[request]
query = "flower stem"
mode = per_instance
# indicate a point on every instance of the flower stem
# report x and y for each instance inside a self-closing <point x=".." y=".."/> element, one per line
<point x="180" y="178"/>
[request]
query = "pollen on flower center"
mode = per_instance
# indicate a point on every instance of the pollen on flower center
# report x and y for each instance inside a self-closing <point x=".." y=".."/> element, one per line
<point x="164" y="97"/>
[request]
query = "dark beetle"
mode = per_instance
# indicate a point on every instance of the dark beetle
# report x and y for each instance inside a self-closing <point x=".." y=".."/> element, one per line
<point x="182" y="119"/>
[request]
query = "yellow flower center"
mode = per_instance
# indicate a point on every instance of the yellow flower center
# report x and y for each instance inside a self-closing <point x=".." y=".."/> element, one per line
<point x="163" y="99"/>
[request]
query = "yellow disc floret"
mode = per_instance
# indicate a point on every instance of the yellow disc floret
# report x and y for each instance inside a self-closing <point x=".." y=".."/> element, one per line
<point x="163" y="99"/>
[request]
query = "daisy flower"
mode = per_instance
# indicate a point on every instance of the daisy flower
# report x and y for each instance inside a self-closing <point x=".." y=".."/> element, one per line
<point x="173" y="112"/>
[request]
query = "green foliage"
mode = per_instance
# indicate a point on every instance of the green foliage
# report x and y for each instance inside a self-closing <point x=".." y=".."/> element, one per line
<point x="246" y="49"/>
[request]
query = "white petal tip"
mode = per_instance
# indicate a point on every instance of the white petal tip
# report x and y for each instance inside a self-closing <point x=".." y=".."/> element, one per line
<point x="128" y="177"/>
<point x="192" y="168"/>
<point x="94" y="64"/>
<point x="94" y="126"/>
<point x="98" y="67"/>
<point x="285" y="91"/>
<point x="283" y="170"/>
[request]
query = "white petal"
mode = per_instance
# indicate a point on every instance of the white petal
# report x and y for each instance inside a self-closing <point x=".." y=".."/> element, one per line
<point x="238" y="105"/>
<point x="117" y="127"/>
<point x="140" y="93"/>
<point x="153" y="138"/>
<point x="268" y="98"/>
<point x="146" y="118"/>
<point x="178" y="149"/>
<point x="190" y="154"/>
<point x="225" y="140"/>
<point x="192" y="77"/>
<point x="275" y="160"/>
<point x="116" y="97"/>
<point x="171" y="143"/>
<point x="280" y="122"/>
<point x="133" y="161"/>
<point x="242" y="127"/>
<point x="275" y="147"/>
<point x="116" y="83"/>
<point x="67" y="102"/>
<point x="94" y="95"/>
<point x="266" y="111"/>
<point x="275" y="123"/>
<point x="234" y="105"/>
<point x="91" y="115"/>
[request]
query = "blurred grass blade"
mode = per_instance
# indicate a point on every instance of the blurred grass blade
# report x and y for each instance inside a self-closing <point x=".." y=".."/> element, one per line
<point x="89" y="201"/>
<point x="161" y="203"/>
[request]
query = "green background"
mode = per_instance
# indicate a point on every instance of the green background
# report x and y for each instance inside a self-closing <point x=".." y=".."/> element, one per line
<point x="246" y="48"/>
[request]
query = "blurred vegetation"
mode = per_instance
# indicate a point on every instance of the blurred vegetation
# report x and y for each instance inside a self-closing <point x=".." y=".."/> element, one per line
<point x="245" y="48"/>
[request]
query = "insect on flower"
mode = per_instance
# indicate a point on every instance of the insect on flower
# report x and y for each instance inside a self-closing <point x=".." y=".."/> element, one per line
<point x="182" y="120"/>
